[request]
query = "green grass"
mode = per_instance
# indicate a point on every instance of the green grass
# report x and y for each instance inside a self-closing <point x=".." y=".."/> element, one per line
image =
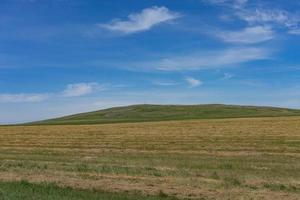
<point x="24" y="190"/>
<point x="143" y="113"/>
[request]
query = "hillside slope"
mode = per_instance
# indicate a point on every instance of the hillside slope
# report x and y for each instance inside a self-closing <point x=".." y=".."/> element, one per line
<point x="142" y="113"/>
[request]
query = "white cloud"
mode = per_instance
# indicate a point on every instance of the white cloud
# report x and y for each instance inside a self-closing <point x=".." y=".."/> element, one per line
<point x="237" y="4"/>
<point x="249" y="35"/>
<point x="275" y="17"/>
<point x="260" y="15"/>
<point x="240" y="3"/>
<point x="227" y="76"/>
<point x="263" y="16"/>
<point x="294" y="32"/>
<point x="193" y="82"/>
<point x="72" y="90"/>
<point x="22" y="98"/>
<point x="164" y="83"/>
<point x="214" y="59"/>
<point x="142" y="21"/>
<point x="80" y="89"/>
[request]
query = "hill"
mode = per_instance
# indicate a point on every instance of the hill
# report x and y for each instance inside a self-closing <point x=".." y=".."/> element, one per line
<point x="144" y="113"/>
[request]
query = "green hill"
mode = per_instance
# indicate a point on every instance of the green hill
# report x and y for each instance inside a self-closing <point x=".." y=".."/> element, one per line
<point x="143" y="113"/>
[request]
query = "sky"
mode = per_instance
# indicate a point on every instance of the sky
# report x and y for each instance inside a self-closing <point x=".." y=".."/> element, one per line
<point x="60" y="57"/>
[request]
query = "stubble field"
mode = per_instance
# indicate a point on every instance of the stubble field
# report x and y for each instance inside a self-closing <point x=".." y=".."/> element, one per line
<point x="251" y="158"/>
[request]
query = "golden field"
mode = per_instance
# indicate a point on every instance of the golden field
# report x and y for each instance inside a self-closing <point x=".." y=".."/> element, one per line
<point x="251" y="158"/>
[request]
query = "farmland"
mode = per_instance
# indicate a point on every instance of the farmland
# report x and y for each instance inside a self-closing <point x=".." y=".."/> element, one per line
<point x="242" y="158"/>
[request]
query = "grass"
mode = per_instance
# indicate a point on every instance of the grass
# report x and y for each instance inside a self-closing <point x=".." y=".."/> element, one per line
<point x="247" y="158"/>
<point x="24" y="190"/>
<point x="142" y="113"/>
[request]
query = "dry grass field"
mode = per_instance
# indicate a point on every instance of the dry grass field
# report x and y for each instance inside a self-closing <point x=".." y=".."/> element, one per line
<point x="257" y="158"/>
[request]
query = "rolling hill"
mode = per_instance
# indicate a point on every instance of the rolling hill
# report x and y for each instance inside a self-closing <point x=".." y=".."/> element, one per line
<point x="146" y="112"/>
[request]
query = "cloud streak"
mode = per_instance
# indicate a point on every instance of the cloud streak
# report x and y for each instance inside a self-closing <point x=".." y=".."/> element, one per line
<point x="248" y="35"/>
<point x="236" y="4"/>
<point x="260" y="15"/>
<point x="272" y="16"/>
<point x="165" y="83"/>
<point x="142" y="21"/>
<point x="275" y="17"/>
<point x="212" y="60"/>
<point x="22" y="98"/>
<point x="72" y="90"/>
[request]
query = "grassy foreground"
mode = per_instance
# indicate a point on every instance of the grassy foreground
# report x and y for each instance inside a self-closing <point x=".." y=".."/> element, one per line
<point x="143" y="113"/>
<point x="250" y="158"/>
<point x="24" y="190"/>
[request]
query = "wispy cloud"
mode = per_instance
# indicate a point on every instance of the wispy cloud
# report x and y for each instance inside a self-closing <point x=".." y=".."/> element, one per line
<point x="295" y="31"/>
<point x="72" y="90"/>
<point x="237" y="4"/>
<point x="276" y="17"/>
<point x="165" y="83"/>
<point x="260" y="15"/>
<point x="248" y="35"/>
<point x="81" y="89"/>
<point x="193" y="82"/>
<point x="227" y="76"/>
<point x="22" y="98"/>
<point x="142" y="21"/>
<point x="213" y="59"/>
<point x="263" y="15"/>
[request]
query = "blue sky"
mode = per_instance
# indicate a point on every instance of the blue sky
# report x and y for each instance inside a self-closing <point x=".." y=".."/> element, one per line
<point x="61" y="57"/>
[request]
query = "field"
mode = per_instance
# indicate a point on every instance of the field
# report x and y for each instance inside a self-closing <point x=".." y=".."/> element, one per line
<point x="250" y="158"/>
<point x="24" y="190"/>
